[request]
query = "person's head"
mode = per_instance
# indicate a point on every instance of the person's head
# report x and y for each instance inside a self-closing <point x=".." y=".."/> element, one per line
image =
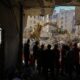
<point x="31" y="56"/>
<point x="28" y="41"/>
<point x="37" y="43"/>
<point x="67" y="47"/>
<point x="49" y="46"/>
<point x="42" y="46"/>
<point x="74" y="45"/>
<point x="63" y="46"/>
<point x="56" y="46"/>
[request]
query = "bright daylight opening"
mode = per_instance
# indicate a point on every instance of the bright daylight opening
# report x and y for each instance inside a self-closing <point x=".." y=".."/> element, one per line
<point x="59" y="26"/>
<point x="58" y="34"/>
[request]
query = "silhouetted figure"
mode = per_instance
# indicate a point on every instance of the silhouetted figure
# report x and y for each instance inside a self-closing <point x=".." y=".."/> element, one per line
<point x="52" y="63"/>
<point x="67" y="49"/>
<point x="75" y="51"/>
<point x="44" y="63"/>
<point x="47" y="60"/>
<point x="56" y="58"/>
<point x="64" y="51"/>
<point x="40" y="58"/>
<point x="70" y="62"/>
<point x="31" y="61"/>
<point x="26" y="52"/>
<point x="35" y="51"/>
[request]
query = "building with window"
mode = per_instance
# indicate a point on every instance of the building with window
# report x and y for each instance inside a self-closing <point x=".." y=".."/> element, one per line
<point x="66" y="20"/>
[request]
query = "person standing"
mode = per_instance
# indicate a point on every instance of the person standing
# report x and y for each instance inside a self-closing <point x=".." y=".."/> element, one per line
<point x="76" y="51"/>
<point x="40" y="59"/>
<point x="26" y="52"/>
<point x="35" y="51"/>
<point x="56" y="53"/>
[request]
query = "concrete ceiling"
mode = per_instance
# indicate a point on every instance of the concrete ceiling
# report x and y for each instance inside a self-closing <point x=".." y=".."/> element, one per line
<point x="41" y="3"/>
<point x="37" y="7"/>
<point x="49" y="3"/>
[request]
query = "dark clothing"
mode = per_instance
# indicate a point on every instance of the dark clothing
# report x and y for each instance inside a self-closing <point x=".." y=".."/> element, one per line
<point x="35" y="51"/>
<point x="70" y="62"/>
<point x="26" y="53"/>
<point x="56" y="56"/>
<point x="75" y="52"/>
<point x="56" y="53"/>
<point x="40" y="59"/>
<point x="47" y="62"/>
<point x="48" y="58"/>
<point x="63" y="59"/>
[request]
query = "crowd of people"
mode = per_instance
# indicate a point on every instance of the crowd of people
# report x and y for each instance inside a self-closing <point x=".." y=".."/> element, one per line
<point x="60" y="60"/>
